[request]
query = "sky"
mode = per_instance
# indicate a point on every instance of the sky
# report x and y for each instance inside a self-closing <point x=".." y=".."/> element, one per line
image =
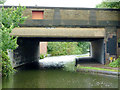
<point x="55" y="3"/>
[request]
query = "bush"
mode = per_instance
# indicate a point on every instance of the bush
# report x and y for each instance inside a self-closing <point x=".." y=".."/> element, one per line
<point x="66" y="48"/>
<point x="116" y="63"/>
<point x="42" y="56"/>
<point x="7" y="68"/>
<point x="10" y="18"/>
<point x="119" y="40"/>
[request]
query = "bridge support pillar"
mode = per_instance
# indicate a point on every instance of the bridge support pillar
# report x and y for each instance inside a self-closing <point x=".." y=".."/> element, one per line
<point x="111" y="44"/>
<point x="27" y="51"/>
<point x="98" y="51"/>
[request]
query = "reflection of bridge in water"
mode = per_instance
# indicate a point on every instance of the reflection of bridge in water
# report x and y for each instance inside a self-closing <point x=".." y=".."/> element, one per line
<point x="99" y="26"/>
<point x="59" y="61"/>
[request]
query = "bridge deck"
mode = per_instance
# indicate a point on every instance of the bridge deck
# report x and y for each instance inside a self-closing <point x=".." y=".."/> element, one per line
<point x="59" y="32"/>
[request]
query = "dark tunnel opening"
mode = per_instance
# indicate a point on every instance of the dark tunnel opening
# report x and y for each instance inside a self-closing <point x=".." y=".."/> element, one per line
<point x="28" y="50"/>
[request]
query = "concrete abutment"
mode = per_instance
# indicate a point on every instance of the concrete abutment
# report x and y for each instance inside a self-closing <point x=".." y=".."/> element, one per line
<point x="104" y="45"/>
<point x="26" y="52"/>
<point x="98" y="51"/>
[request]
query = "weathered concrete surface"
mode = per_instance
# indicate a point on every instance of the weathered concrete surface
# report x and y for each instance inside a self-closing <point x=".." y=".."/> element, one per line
<point x="110" y="43"/>
<point x="107" y="15"/>
<point x="27" y="51"/>
<point x="75" y="13"/>
<point x="98" y="51"/>
<point x="71" y="17"/>
<point x="118" y="47"/>
<point x="59" y="32"/>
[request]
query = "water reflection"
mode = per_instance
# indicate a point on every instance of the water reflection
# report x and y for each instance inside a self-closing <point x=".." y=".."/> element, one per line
<point x="57" y="78"/>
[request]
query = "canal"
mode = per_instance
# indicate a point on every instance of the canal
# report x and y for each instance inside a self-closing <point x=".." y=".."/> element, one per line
<point x="33" y="76"/>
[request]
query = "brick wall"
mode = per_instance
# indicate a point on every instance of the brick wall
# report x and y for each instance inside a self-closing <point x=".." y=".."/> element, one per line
<point x="43" y="47"/>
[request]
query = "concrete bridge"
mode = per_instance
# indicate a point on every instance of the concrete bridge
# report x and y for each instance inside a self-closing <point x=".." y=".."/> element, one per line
<point x="99" y="26"/>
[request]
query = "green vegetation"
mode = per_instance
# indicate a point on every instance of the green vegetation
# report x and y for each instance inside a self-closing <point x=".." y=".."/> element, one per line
<point x="115" y="5"/>
<point x="95" y="68"/>
<point x="6" y="65"/>
<point x="116" y="63"/>
<point x="2" y="1"/>
<point x="70" y="66"/>
<point x="10" y="18"/>
<point x="42" y="56"/>
<point x="67" y="48"/>
<point x="119" y="40"/>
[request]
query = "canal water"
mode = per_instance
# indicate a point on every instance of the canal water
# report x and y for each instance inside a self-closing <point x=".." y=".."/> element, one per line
<point x="33" y="76"/>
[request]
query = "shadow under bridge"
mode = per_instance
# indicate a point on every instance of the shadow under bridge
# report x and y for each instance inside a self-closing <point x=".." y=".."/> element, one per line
<point x="28" y="41"/>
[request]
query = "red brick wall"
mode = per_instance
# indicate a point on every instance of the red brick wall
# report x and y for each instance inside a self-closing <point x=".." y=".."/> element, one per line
<point x="43" y="47"/>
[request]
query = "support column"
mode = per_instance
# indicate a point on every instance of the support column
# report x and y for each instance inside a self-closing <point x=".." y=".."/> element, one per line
<point x="98" y="51"/>
<point x="118" y="42"/>
<point x="111" y="43"/>
<point x="27" y="51"/>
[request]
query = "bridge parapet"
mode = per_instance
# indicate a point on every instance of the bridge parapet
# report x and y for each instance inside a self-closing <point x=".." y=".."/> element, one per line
<point x="72" y="17"/>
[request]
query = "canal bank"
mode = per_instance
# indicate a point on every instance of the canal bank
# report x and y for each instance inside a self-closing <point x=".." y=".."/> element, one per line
<point x="68" y="62"/>
<point x="101" y="69"/>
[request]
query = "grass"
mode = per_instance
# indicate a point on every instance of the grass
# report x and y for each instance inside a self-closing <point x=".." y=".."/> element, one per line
<point x="96" y="68"/>
<point x="83" y="55"/>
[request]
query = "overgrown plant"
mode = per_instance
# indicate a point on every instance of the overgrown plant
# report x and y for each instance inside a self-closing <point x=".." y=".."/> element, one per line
<point x="10" y="18"/>
<point x="116" y="63"/>
<point x="7" y="68"/>
<point x="42" y="56"/>
<point x="119" y="40"/>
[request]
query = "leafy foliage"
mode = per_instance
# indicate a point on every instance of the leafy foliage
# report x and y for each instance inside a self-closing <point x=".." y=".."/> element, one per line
<point x="41" y="56"/>
<point x="7" y="68"/>
<point x="119" y="40"/>
<point x="66" y="48"/>
<point x="85" y="46"/>
<point x="115" y="5"/>
<point x="8" y="42"/>
<point x="10" y="18"/>
<point x="116" y="63"/>
<point x="2" y="1"/>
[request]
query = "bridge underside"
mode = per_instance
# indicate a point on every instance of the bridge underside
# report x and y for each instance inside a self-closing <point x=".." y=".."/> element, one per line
<point x="28" y="41"/>
<point x="59" y="32"/>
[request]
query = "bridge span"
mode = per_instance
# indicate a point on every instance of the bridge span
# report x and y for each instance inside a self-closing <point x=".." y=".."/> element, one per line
<point x="99" y="26"/>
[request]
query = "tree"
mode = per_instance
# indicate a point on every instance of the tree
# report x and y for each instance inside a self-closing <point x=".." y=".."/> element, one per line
<point x="2" y="1"/>
<point x="67" y="48"/>
<point x="10" y="18"/>
<point x="114" y="5"/>
<point x="85" y="46"/>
